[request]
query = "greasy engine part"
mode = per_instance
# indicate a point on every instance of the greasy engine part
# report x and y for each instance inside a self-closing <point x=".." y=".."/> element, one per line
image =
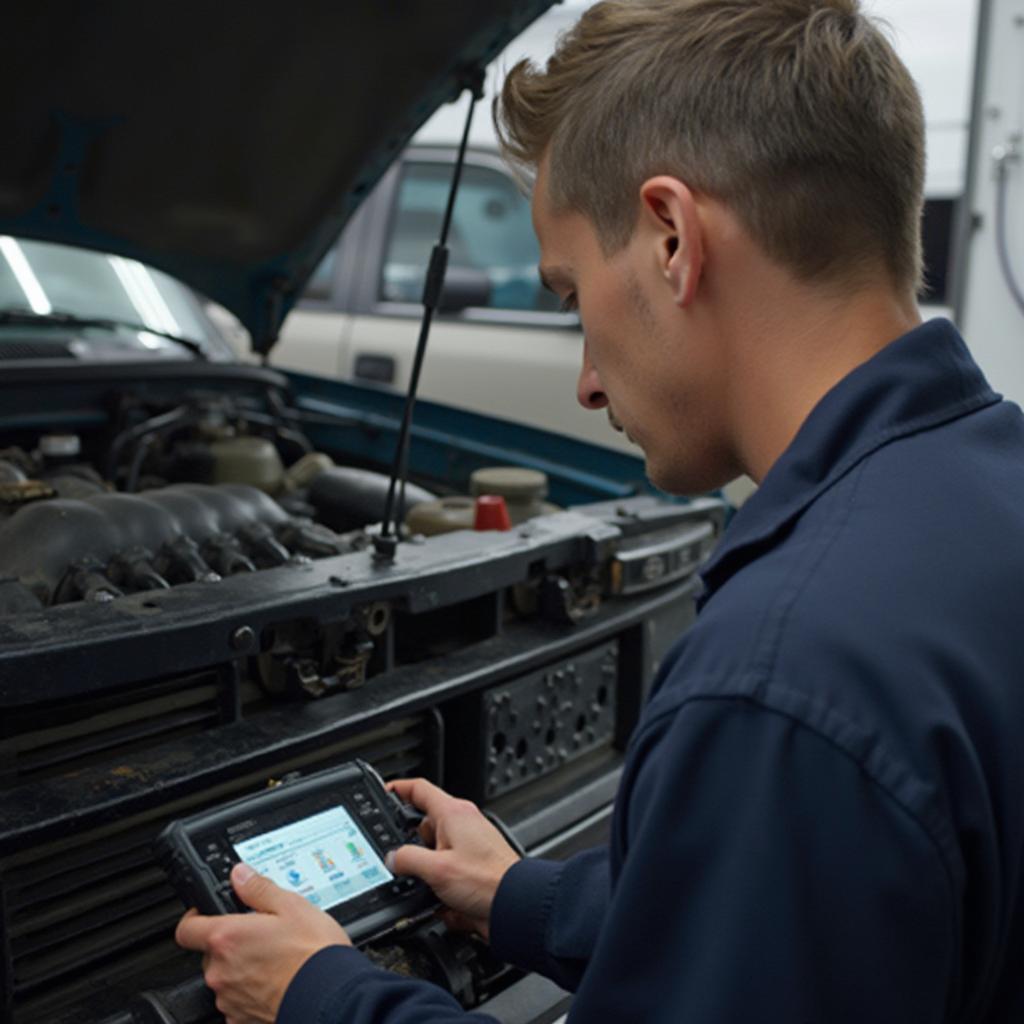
<point x="16" y="493"/>
<point x="208" y="438"/>
<point x="459" y="963"/>
<point x="105" y="544"/>
<point x="76" y="480"/>
<point x="571" y="597"/>
<point x="54" y="469"/>
<point x="10" y="473"/>
<point x="304" y="659"/>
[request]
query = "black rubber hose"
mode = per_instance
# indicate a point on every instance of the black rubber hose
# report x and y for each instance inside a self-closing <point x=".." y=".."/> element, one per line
<point x="346" y="498"/>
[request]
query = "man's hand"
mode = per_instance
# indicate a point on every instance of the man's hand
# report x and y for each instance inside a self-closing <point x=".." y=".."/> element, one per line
<point x="469" y="859"/>
<point x="250" y="959"/>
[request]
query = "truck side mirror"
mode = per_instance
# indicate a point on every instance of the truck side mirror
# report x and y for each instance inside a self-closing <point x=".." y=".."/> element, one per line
<point x="464" y="287"/>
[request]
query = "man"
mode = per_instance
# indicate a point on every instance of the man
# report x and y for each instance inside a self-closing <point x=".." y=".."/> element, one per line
<point x="821" y="815"/>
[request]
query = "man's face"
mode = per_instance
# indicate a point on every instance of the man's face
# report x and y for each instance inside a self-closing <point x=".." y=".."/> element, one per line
<point x="644" y="360"/>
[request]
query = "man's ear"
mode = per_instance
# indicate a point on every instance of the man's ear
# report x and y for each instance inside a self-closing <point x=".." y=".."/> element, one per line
<point x="670" y="211"/>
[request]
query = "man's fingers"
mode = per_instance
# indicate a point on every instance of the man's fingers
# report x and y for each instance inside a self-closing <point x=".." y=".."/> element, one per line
<point x="416" y="861"/>
<point x="193" y="930"/>
<point x="422" y="794"/>
<point x="256" y="891"/>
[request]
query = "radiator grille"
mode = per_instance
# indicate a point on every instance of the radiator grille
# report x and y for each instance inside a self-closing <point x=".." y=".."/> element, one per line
<point x="90" y="915"/>
<point x="38" y="744"/>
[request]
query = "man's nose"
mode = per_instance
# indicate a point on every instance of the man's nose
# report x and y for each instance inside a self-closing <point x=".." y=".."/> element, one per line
<point x="589" y="392"/>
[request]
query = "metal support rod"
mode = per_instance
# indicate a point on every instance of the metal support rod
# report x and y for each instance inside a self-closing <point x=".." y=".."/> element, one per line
<point x="386" y="542"/>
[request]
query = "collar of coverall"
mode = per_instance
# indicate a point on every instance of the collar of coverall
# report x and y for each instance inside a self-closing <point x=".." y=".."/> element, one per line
<point x="922" y="379"/>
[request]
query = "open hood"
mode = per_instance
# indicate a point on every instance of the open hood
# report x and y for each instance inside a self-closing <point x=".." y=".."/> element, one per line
<point x="224" y="143"/>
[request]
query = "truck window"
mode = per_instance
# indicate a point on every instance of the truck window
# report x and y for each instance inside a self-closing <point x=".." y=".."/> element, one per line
<point x="491" y="232"/>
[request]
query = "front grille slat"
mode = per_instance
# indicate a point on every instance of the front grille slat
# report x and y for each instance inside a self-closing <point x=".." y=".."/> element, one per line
<point x="77" y="735"/>
<point x="91" y="907"/>
<point x="119" y="742"/>
<point x="85" y="951"/>
<point x="112" y="982"/>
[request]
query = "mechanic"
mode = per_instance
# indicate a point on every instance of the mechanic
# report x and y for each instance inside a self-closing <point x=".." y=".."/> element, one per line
<point x="821" y="813"/>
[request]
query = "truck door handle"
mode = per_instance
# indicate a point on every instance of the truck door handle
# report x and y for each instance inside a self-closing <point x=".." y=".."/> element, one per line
<point x="379" y="369"/>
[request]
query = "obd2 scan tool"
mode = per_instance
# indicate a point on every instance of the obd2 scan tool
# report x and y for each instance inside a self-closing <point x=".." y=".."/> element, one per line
<point x="324" y="837"/>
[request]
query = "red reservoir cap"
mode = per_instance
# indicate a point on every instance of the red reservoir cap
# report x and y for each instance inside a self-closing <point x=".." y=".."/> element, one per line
<point x="491" y="513"/>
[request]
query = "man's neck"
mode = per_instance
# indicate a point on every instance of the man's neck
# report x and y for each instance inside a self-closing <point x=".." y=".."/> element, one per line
<point x="793" y="344"/>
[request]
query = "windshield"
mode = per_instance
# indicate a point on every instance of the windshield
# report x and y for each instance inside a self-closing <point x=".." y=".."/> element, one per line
<point x="146" y="309"/>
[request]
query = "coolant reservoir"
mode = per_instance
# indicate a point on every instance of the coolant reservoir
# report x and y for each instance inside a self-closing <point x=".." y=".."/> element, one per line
<point x="442" y="516"/>
<point x="524" y="490"/>
<point x="247" y="460"/>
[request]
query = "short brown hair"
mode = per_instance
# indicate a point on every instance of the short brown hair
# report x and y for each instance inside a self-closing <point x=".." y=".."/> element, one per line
<point x="795" y="113"/>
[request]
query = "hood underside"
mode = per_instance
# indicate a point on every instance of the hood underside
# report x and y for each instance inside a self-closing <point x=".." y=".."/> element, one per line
<point x="225" y="143"/>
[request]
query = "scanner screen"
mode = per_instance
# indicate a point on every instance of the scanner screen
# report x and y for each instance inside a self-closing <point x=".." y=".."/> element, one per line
<point x="325" y="857"/>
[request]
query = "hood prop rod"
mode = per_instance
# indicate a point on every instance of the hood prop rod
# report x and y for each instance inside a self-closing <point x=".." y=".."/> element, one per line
<point x="386" y="542"/>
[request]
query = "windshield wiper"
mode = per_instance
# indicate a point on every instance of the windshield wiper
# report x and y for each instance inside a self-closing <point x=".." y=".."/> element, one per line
<point x="59" y="319"/>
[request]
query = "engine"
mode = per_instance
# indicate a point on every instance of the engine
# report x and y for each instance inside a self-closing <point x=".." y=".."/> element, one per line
<point x="193" y="493"/>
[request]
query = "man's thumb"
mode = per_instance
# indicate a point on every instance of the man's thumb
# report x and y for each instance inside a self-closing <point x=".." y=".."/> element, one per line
<point x="256" y="891"/>
<point x="413" y="860"/>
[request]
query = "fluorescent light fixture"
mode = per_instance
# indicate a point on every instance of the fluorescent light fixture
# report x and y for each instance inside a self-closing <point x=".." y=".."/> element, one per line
<point x="144" y="294"/>
<point x="27" y="280"/>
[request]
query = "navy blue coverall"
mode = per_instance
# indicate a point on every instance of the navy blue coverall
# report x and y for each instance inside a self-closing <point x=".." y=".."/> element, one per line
<point x="821" y="815"/>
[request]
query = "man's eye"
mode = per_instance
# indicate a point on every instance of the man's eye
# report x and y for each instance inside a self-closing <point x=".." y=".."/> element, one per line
<point x="568" y="304"/>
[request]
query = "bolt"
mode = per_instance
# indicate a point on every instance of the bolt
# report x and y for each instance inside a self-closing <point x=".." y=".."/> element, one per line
<point x="243" y="638"/>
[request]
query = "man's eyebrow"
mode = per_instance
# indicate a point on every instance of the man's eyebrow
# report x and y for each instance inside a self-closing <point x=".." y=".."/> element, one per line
<point x="554" y="277"/>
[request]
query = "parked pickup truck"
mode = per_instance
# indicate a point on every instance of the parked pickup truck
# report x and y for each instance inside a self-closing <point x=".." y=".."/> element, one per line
<point x="500" y="345"/>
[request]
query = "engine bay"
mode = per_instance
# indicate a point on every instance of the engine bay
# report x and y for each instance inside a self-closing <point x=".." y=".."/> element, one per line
<point x="196" y="492"/>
